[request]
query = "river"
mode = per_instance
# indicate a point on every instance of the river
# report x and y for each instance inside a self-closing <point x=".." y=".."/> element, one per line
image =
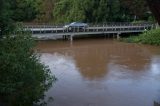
<point x="100" y="72"/>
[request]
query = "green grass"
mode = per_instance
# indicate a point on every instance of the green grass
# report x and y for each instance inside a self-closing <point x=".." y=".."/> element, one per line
<point x="151" y="37"/>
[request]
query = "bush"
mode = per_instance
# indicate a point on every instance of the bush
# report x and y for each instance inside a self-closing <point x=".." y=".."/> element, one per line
<point x="150" y="37"/>
<point x="23" y="79"/>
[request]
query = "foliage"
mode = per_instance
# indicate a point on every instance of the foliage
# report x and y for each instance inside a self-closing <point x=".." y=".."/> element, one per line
<point x="68" y="11"/>
<point x="5" y="17"/>
<point x="25" y="10"/>
<point x="149" y="37"/>
<point x="45" y="11"/>
<point x="64" y="11"/>
<point x="96" y="11"/>
<point x="16" y="10"/>
<point x="137" y="8"/>
<point x="23" y="79"/>
<point x="154" y="6"/>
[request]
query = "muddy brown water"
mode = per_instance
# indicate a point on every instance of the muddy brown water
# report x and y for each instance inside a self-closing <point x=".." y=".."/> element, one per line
<point x="100" y="72"/>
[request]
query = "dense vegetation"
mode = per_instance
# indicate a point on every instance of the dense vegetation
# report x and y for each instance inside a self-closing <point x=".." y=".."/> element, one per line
<point x="62" y="11"/>
<point x="100" y="11"/>
<point x="155" y="8"/>
<point x="12" y="11"/>
<point x="151" y="37"/>
<point x="23" y="79"/>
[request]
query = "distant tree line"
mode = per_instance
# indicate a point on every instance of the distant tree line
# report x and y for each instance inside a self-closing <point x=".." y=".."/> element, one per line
<point x="97" y="11"/>
<point x="63" y="11"/>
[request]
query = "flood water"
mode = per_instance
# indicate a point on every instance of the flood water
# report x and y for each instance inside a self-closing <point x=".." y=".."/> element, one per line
<point x="100" y="72"/>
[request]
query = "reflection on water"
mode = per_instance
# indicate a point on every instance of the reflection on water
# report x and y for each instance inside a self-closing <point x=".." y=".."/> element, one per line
<point x="102" y="73"/>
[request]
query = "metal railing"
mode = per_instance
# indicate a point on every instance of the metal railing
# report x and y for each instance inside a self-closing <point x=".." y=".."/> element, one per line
<point x="91" y="29"/>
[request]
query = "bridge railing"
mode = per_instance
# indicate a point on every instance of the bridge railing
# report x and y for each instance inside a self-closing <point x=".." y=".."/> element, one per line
<point x="90" y="24"/>
<point x="117" y="27"/>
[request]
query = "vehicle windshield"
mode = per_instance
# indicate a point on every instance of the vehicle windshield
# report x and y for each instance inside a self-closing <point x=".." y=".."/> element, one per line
<point x="74" y="23"/>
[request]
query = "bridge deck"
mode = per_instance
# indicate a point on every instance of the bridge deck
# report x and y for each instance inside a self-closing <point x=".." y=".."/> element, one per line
<point x="51" y="31"/>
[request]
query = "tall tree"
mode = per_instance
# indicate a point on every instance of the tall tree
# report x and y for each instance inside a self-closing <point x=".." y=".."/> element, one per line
<point x="155" y="8"/>
<point x="137" y="8"/>
<point x="5" y="16"/>
<point x="87" y="11"/>
<point x="100" y="10"/>
<point x="45" y="11"/>
<point x="25" y="10"/>
<point x="17" y="10"/>
<point x="68" y="11"/>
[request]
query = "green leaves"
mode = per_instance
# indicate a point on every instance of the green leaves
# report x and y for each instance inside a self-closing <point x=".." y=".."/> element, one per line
<point x="98" y="11"/>
<point x="25" y="10"/>
<point x="15" y="11"/>
<point x="23" y="79"/>
<point x="68" y="11"/>
<point x="150" y="37"/>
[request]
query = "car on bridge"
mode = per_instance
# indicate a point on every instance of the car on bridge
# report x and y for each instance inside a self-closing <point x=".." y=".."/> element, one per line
<point x="75" y="26"/>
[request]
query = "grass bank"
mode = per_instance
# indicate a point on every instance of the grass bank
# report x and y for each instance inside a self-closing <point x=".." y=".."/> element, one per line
<point x="151" y="37"/>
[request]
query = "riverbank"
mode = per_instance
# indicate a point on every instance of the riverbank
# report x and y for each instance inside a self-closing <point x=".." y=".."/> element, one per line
<point x="151" y="37"/>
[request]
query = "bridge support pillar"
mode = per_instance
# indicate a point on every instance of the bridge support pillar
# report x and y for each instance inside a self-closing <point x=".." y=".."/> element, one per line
<point x="64" y="37"/>
<point x="118" y="37"/>
<point x="71" y="37"/>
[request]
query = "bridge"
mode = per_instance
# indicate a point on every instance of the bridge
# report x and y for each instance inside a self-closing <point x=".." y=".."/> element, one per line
<point x="52" y="31"/>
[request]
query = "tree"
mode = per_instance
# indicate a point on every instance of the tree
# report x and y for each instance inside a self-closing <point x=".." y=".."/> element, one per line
<point x="98" y="11"/>
<point x="155" y="8"/>
<point x="23" y="79"/>
<point x="87" y="11"/>
<point x="12" y="11"/>
<point x="137" y="8"/>
<point x="68" y="11"/>
<point x="6" y="23"/>
<point x="25" y="10"/>
<point x="45" y="11"/>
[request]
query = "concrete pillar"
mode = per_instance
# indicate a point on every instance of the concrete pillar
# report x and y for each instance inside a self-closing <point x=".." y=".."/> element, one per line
<point x="68" y="37"/>
<point x="71" y="38"/>
<point x="118" y="37"/>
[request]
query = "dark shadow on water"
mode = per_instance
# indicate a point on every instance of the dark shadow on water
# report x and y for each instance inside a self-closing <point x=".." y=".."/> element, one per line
<point x="41" y="103"/>
<point x="156" y="103"/>
<point x="45" y="102"/>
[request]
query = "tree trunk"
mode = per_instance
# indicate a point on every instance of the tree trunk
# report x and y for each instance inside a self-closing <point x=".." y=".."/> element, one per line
<point x="155" y="8"/>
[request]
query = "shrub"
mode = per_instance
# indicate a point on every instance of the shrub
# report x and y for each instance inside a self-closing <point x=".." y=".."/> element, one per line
<point x="23" y="79"/>
<point x="150" y="37"/>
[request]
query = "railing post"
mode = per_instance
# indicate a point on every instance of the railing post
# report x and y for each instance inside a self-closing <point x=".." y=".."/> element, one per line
<point x="56" y="29"/>
<point x="87" y="30"/>
<point x="78" y="29"/>
<point x="67" y="30"/>
<point x="63" y="30"/>
<point x="103" y="27"/>
<point x="40" y="30"/>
